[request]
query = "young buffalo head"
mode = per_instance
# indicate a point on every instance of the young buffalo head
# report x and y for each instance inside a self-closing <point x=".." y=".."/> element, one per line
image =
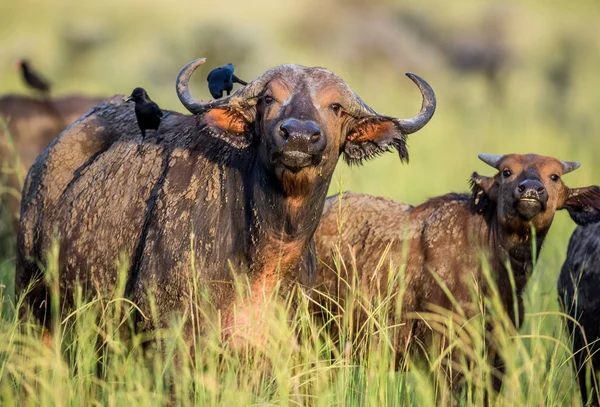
<point x="301" y="119"/>
<point x="529" y="189"/>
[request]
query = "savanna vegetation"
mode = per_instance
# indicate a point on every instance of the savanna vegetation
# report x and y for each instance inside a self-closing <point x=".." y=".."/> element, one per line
<point x="539" y="94"/>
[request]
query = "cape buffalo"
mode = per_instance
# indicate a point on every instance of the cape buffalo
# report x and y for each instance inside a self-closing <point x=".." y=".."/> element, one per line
<point x="32" y="124"/>
<point x="236" y="189"/>
<point x="444" y="239"/>
<point x="577" y="284"/>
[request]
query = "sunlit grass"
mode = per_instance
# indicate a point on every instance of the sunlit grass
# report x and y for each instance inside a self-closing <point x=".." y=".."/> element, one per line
<point x="96" y="357"/>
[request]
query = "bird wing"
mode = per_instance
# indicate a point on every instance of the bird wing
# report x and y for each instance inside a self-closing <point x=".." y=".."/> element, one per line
<point x="216" y="89"/>
<point x="44" y="81"/>
<point x="214" y="74"/>
<point x="159" y="112"/>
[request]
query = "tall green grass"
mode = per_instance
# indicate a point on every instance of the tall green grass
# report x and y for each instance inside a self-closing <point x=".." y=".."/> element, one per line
<point x="95" y="356"/>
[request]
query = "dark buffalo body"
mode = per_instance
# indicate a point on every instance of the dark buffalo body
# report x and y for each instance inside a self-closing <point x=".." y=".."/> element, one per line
<point x="446" y="236"/>
<point x="235" y="189"/>
<point x="578" y="295"/>
<point x="32" y="124"/>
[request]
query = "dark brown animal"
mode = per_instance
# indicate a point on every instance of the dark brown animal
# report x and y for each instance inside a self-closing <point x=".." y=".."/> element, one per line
<point x="578" y="286"/>
<point x="446" y="237"/>
<point x="31" y="125"/>
<point x="236" y="189"/>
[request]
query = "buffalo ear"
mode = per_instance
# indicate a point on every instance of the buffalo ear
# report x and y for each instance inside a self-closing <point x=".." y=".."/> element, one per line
<point x="484" y="190"/>
<point x="372" y="136"/>
<point x="229" y="125"/>
<point x="583" y="204"/>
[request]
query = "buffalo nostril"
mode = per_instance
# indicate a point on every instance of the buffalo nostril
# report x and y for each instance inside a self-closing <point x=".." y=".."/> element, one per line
<point x="521" y="188"/>
<point x="315" y="137"/>
<point x="541" y="190"/>
<point x="283" y="130"/>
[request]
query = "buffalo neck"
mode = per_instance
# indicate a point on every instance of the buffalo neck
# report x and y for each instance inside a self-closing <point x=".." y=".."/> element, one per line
<point x="281" y="224"/>
<point x="285" y="216"/>
<point x="512" y="244"/>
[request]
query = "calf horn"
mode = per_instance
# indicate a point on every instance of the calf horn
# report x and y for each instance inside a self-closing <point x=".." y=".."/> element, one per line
<point x="569" y="166"/>
<point x="491" y="159"/>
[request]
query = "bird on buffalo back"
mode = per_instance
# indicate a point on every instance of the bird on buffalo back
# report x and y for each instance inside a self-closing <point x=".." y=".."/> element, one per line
<point x="147" y="112"/>
<point x="221" y="79"/>
<point x="33" y="79"/>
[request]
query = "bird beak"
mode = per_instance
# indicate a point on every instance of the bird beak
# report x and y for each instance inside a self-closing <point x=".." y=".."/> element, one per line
<point x="128" y="99"/>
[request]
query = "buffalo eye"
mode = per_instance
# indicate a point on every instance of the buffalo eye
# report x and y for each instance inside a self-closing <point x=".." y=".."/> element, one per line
<point x="506" y="173"/>
<point x="268" y="99"/>
<point x="336" y="108"/>
<point x="554" y="177"/>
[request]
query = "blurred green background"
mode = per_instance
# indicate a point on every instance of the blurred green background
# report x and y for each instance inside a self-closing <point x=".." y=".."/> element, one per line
<point x="509" y="76"/>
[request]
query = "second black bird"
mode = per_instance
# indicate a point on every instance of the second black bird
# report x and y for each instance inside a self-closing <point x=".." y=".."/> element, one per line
<point x="147" y="112"/>
<point x="33" y="79"/>
<point x="221" y="79"/>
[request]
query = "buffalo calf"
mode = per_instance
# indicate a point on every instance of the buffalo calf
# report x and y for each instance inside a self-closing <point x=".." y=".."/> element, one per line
<point x="443" y="240"/>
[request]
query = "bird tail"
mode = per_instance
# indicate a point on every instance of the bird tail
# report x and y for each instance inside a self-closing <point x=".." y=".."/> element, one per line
<point x="238" y="80"/>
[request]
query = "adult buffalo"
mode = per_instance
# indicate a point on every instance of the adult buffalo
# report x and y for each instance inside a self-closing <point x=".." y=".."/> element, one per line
<point x="236" y="189"/>
<point x="440" y="246"/>
<point x="29" y="126"/>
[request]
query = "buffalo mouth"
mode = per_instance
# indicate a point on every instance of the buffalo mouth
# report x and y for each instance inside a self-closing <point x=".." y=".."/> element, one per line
<point x="528" y="208"/>
<point x="296" y="160"/>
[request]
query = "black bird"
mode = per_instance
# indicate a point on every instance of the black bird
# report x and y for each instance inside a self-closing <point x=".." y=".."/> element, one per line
<point x="221" y="79"/>
<point x="147" y="112"/>
<point x="33" y="79"/>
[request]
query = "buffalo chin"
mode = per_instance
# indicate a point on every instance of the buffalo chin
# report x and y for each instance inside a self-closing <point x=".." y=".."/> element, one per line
<point x="529" y="208"/>
<point x="295" y="161"/>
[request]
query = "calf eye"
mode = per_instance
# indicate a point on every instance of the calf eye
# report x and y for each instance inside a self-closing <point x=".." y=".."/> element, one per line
<point x="336" y="108"/>
<point x="506" y="173"/>
<point x="268" y="99"/>
<point x="554" y="177"/>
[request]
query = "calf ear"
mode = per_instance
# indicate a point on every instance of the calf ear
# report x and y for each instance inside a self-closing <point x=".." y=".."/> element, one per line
<point x="485" y="191"/>
<point x="372" y="136"/>
<point x="583" y="204"/>
<point x="230" y="125"/>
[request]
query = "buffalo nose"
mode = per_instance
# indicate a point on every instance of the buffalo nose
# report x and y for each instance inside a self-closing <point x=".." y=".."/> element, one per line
<point x="300" y="130"/>
<point x="531" y="188"/>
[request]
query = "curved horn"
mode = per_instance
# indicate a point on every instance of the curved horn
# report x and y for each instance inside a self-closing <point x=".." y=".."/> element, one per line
<point x="569" y="166"/>
<point x="408" y="126"/>
<point x="183" y="90"/>
<point x="491" y="159"/>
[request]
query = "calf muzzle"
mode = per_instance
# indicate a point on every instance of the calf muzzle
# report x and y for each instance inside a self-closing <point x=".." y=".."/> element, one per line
<point x="530" y="198"/>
